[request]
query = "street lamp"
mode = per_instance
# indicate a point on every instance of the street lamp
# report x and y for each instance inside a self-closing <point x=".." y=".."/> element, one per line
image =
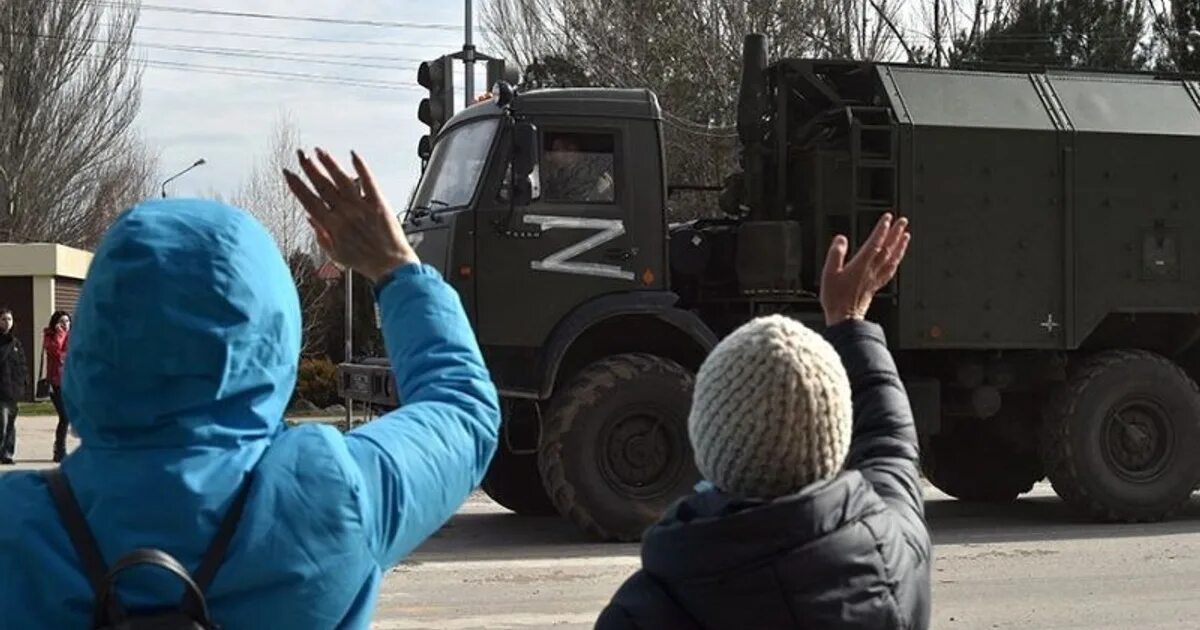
<point x="199" y="162"/>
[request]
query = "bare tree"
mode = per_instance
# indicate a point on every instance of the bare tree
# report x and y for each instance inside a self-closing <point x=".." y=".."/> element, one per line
<point x="265" y="195"/>
<point x="124" y="181"/>
<point x="69" y="93"/>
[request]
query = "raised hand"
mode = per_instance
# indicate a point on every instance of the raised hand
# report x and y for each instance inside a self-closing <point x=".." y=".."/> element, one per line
<point x="354" y="224"/>
<point x="848" y="288"/>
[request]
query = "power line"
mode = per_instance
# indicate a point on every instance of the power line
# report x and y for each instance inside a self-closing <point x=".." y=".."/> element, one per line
<point x="247" y="53"/>
<point x="286" y="53"/>
<point x="289" y="76"/>
<point x="289" y="18"/>
<point x="202" y="31"/>
<point x="251" y="54"/>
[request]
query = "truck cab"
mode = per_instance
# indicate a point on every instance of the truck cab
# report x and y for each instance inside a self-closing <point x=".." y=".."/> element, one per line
<point x="563" y="271"/>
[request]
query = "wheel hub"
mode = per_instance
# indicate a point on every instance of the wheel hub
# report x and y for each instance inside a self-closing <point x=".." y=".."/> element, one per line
<point x="1138" y="440"/>
<point x="639" y="455"/>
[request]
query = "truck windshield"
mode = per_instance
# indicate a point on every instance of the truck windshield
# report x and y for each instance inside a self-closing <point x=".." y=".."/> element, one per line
<point x="455" y="167"/>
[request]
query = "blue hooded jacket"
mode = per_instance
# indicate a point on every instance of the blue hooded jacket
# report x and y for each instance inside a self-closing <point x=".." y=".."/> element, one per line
<point x="184" y="354"/>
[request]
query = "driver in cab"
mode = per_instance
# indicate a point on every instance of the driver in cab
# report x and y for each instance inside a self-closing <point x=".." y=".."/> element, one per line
<point x="572" y="174"/>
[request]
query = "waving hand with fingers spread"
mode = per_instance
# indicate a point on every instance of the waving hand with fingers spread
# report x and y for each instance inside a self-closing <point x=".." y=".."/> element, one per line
<point x="356" y="227"/>
<point x="848" y="288"/>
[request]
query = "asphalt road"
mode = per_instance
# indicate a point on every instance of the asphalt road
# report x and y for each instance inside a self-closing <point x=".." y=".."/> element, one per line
<point x="1030" y="565"/>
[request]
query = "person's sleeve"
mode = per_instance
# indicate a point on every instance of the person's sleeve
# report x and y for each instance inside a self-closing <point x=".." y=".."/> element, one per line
<point x="883" y="444"/>
<point x="22" y="382"/>
<point x="54" y="347"/>
<point x="422" y="460"/>
<point x="642" y="603"/>
<point x="614" y="617"/>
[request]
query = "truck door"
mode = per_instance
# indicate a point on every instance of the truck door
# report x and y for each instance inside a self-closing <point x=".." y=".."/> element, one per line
<point x="574" y="242"/>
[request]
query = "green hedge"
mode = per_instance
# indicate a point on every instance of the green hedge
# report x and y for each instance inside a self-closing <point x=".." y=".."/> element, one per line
<point x="317" y="382"/>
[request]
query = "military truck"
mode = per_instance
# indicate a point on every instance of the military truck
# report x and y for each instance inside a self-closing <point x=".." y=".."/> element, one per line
<point x="1044" y="322"/>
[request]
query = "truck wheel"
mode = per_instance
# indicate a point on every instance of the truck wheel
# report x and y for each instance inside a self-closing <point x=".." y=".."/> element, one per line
<point x="514" y="482"/>
<point x="970" y="463"/>
<point x="615" y="453"/>
<point x="1120" y="437"/>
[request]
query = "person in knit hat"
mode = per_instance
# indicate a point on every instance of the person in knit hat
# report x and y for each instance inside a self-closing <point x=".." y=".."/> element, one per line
<point x="771" y="412"/>
<point x="811" y="514"/>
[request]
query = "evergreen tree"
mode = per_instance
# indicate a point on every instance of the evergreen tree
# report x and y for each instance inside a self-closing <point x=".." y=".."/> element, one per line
<point x="1177" y="36"/>
<point x="1099" y="34"/>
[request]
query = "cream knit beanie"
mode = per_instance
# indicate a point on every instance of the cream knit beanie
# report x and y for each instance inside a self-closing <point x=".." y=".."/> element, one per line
<point x="771" y="412"/>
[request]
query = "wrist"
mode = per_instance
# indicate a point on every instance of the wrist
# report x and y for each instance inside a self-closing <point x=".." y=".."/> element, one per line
<point x="836" y="316"/>
<point x="382" y="271"/>
<point x="834" y="320"/>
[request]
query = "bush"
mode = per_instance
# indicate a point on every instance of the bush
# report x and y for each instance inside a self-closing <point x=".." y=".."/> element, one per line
<point x="317" y="382"/>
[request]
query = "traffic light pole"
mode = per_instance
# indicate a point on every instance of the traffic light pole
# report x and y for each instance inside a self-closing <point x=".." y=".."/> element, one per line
<point x="468" y="59"/>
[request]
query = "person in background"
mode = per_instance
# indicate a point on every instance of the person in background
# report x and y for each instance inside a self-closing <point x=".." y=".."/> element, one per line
<point x="13" y="377"/>
<point x="54" y="343"/>
<point x="811" y="514"/>
<point x="184" y="355"/>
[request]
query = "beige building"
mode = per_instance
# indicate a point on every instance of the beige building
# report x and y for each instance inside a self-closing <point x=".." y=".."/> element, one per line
<point x="37" y="279"/>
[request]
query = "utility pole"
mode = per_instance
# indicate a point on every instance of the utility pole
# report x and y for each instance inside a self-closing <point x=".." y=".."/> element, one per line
<point x="349" y="341"/>
<point x="348" y="275"/>
<point x="937" y="33"/>
<point x="468" y="59"/>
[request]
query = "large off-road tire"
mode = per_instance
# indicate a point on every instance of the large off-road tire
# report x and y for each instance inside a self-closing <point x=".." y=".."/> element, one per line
<point x="970" y="463"/>
<point x="615" y="453"/>
<point x="514" y="482"/>
<point x="1120" y="438"/>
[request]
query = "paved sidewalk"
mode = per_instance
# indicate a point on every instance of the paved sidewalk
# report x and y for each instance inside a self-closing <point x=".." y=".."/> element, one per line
<point x="35" y="443"/>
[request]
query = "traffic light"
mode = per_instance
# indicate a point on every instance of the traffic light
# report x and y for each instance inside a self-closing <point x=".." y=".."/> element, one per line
<point x="495" y="73"/>
<point x="437" y="76"/>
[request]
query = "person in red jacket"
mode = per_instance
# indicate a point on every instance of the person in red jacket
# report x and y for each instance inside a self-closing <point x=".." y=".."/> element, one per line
<point x="55" y="344"/>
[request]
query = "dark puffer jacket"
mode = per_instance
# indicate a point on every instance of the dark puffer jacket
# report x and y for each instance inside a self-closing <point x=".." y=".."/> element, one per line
<point x="849" y="552"/>
<point x="12" y="368"/>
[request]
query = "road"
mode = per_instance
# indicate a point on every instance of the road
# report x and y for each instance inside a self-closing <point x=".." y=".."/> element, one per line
<point x="1030" y="565"/>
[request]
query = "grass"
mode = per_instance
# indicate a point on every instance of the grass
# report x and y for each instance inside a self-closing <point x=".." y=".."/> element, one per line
<point x="40" y="408"/>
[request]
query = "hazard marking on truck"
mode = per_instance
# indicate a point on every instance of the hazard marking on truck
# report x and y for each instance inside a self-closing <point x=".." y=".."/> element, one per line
<point x="561" y="261"/>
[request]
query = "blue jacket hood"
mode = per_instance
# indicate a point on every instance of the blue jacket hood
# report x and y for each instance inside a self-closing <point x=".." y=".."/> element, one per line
<point x="187" y="331"/>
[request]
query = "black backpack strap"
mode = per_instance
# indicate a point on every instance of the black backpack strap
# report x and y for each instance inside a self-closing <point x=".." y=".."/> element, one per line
<point x="80" y="534"/>
<point x="77" y="527"/>
<point x="216" y="550"/>
<point x="107" y="614"/>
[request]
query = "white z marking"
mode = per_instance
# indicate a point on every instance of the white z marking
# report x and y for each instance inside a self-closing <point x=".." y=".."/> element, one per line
<point x="559" y="261"/>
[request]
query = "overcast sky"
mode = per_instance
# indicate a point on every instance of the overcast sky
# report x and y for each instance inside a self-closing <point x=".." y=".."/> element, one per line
<point x="191" y="112"/>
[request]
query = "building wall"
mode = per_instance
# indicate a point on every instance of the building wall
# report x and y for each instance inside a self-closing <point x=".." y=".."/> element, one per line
<point x="37" y="279"/>
<point x="66" y="294"/>
<point x="43" y="305"/>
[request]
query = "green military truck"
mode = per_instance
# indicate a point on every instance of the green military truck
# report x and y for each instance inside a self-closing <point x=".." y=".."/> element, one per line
<point x="1044" y="320"/>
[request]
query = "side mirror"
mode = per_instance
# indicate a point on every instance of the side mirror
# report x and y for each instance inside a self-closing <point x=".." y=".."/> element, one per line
<point x="525" y="149"/>
<point x="525" y="152"/>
